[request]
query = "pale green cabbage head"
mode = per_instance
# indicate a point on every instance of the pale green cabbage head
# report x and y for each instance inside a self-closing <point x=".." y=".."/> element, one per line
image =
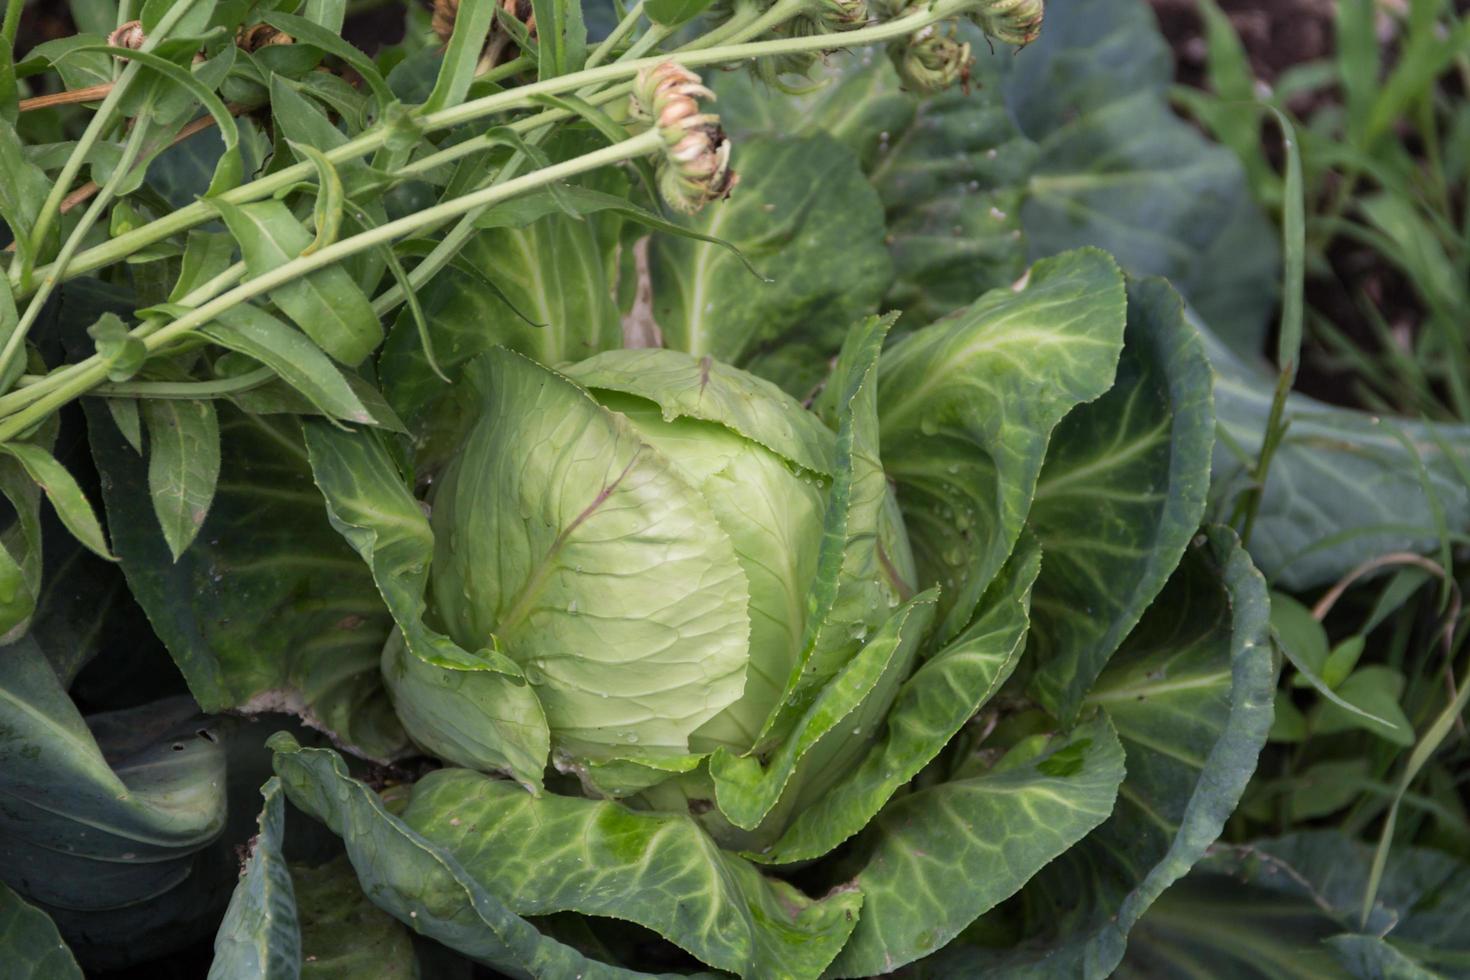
<point x="640" y="533"/>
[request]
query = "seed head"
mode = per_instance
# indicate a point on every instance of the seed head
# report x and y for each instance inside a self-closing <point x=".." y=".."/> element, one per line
<point x="930" y="61"/>
<point x="1011" y="21"/>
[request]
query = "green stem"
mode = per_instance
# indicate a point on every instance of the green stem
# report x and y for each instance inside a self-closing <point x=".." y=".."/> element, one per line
<point x="508" y="70"/>
<point x="186" y="389"/>
<point x="83" y="376"/>
<point x="625" y="26"/>
<point x="521" y="97"/>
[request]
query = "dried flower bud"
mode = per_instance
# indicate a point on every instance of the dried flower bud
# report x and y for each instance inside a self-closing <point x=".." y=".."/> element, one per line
<point x="695" y="168"/>
<point x="443" y="18"/>
<point x="258" y="36"/>
<point x="842" y="15"/>
<point x="1011" y="21"/>
<point x="129" y="35"/>
<point x="930" y="61"/>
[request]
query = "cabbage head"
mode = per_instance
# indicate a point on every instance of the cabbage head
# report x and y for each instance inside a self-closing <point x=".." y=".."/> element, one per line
<point x="807" y="686"/>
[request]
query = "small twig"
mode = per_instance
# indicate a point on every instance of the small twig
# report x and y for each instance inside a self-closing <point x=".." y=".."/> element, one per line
<point x="92" y="93"/>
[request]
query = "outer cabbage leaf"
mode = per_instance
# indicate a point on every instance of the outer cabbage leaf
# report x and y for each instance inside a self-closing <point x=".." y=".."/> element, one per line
<point x="260" y="936"/>
<point x="1420" y="920"/>
<point x="1344" y="486"/>
<point x="107" y="816"/>
<point x="29" y="943"/>
<point x="1210" y="925"/>
<point x="950" y="168"/>
<point x="967" y="406"/>
<point x="592" y="564"/>
<point x="419" y="883"/>
<point x="343" y="935"/>
<point x="267" y="610"/>
<point x="657" y="869"/>
<point x="809" y="221"/>
<point x="938" y="858"/>
<point x="1117" y="169"/>
<point x="1121" y="494"/>
<point x="369" y="504"/>
<point x="1190" y="695"/>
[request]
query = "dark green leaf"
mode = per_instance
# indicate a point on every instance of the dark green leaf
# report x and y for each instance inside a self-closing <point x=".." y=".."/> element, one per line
<point x="968" y="404"/>
<point x="462" y="55"/>
<point x="1189" y="694"/>
<point x="418" y="882"/>
<point x="672" y="13"/>
<point x="259" y="937"/>
<point x="1120" y="495"/>
<point x="1117" y="169"/>
<point x="942" y="856"/>
<point x="806" y="218"/>
<point x="299" y="362"/>
<point x="267" y="610"/>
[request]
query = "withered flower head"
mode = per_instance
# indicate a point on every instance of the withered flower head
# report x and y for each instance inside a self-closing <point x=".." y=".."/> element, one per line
<point x="695" y="166"/>
<point x="129" y="35"/>
<point x="258" y="36"/>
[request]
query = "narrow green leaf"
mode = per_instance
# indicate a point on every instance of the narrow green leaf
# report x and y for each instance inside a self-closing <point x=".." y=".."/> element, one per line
<point x="20" y="550"/>
<point x="300" y="363"/>
<point x="561" y="37"/>
<point x="230" y="168"/>
<point x="319" y="34"/>
<point x="672" y="13"/>
<point x="62" y="491"/>
<point x="206" y="255"/>
<point x="329" y="197"/>
<point x="326" y="304"/>
<point x="183" y="465"/>
<point x="260" y="937"/>
<point x="462" y="55"/>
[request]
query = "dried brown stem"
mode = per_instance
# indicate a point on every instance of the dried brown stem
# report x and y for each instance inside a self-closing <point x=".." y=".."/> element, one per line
<point x="92" y="93"/>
